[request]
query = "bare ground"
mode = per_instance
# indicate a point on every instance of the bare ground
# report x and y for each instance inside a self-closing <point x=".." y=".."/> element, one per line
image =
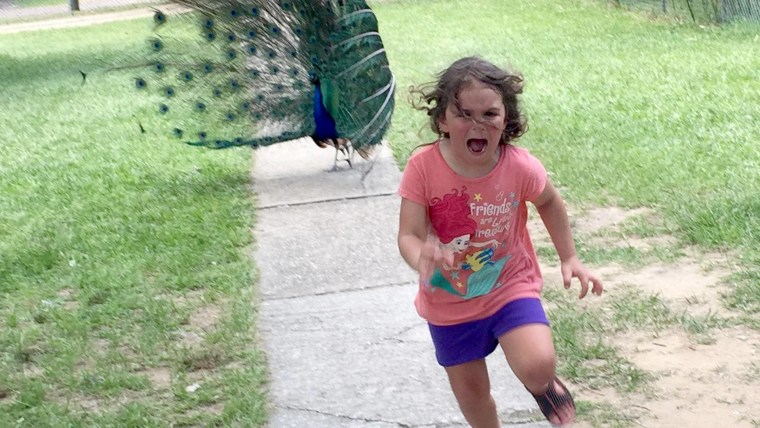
<point x="699" y="381"/>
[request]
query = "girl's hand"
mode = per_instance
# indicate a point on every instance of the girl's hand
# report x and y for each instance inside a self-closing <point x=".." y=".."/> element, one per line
<point x="432" y="254"/>
<point x="573" y="268"/>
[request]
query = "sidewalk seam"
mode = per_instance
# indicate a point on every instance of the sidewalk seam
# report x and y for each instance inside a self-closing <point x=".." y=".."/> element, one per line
<point x="321" y="201"/>
<point x="328" y="293"/>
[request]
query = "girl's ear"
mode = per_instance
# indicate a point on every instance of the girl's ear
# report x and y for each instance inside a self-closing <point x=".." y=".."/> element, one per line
<point x="443" y="127"/>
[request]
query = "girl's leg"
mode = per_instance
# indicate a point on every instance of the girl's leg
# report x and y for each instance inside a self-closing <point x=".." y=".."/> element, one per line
<point x="530" y="353"/>
<point x="472" y="389"/>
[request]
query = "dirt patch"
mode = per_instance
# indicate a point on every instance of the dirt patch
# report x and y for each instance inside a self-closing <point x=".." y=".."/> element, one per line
<point x="697" y="383"/>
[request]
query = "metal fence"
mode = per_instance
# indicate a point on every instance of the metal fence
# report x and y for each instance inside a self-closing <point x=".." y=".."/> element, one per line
<point x="26" y="10"/>
<point x="703" y="11"/>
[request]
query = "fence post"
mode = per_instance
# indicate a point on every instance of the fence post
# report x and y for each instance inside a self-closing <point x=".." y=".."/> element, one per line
<point x="74" y="5"/>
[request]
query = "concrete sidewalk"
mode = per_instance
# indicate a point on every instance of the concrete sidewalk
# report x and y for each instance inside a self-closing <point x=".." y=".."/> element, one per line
<point x="345" y="345"/>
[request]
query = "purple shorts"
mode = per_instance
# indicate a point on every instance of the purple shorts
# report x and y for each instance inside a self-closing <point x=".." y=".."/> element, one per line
<point x="473" y="340"/>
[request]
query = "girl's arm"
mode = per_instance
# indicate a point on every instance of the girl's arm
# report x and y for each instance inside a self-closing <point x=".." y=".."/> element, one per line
<point x="412" y="231"/>
<point x="421" y="251"/>
<point x="551" y="208"/>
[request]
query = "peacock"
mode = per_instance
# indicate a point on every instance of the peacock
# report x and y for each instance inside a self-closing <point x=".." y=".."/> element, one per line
<point x="254" y="73"/>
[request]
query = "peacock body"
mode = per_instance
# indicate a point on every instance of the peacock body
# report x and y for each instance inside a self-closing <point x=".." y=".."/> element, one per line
<point x="257" y="72"/>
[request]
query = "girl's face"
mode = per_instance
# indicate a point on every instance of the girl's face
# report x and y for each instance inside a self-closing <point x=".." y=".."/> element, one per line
<point x="475" y="126"/>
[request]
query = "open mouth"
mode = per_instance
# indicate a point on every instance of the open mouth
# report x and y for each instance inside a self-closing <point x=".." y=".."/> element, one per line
<point x="477" y="145"/>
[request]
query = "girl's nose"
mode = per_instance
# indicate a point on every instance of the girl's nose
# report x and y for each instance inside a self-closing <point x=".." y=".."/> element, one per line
<point x="478" y="124"/>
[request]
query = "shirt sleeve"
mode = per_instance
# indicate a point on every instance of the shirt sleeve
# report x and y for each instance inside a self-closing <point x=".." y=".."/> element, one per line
<point x="412" y="184"/>
<point x="535" y="177"/>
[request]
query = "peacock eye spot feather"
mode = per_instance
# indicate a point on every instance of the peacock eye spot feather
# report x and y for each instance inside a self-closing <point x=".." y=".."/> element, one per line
<point x="251" y="34"/>
<point x="294" y="72"/>
<point x="257" y="116"/>
<point x="208" y="23"/>
<point x="234" y="13"/>
<point x="140" y="83"/>
<point x="208" y="68"/>
<point x="260" y="98"/>
<point x="159" y="67"/>
<point x="314" y="59"/>
<point x="294" y="53"/>
<point x="169" y="91"/>
<point x="239" y="141"/>
<point x="163" y="108"/>
<point x="279" y="87"/>
<point x="210" y="36"/>
<point x="156" y="45"/>
<point x="230" y="117"/>
<point x="275" y="31"/>
<point x="231" y="54"/>
<point x="159" y="17"/>
<point x="245" y="105"/>
<point x="202" y="135"/>
<point x="251" y="50"/>
<point x="187" y="76"/>
<point x="298" y="31"/>
<point x="271" y="54"/>
<point x="177" y="132"/>
<point x="231" y="37"/>
<point x="286" y="6"/>
<point x="254" y="11"/>
<point x="234" y="84"/>
<point x="200" y="106"/>
<point x="275" y="69"/>
<point x="217" y="93"/>
<point x="312" y="39"/>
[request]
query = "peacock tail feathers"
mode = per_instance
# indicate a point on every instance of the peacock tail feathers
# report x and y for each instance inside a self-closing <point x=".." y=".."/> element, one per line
<point x="232" y="73"/>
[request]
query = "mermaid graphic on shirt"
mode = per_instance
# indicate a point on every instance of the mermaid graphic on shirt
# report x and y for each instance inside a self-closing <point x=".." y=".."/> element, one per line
<point x="475" y="271"/>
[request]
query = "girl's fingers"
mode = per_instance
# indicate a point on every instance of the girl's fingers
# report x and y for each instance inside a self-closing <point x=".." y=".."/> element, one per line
<point x="446" y="256"/>
<point x="584" y="286"/>
<point x="597" y="286"/>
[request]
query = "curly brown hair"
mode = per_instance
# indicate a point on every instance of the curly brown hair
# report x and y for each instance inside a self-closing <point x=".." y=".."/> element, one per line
<point x="435" y="97"/>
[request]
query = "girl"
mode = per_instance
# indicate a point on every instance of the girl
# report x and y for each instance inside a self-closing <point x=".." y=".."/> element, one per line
<point x="462" y="226"/>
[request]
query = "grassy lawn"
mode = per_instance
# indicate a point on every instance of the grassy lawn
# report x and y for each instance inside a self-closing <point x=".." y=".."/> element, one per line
<point x="126" y="285"/>
<point x="125" y="271"/>
<point x="624" y="111"/>
<point x="34" y="3"/>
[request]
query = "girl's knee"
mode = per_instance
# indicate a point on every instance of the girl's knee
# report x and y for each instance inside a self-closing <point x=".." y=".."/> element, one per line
<point x="543" y="360"/>
<point x="530" y="350"/>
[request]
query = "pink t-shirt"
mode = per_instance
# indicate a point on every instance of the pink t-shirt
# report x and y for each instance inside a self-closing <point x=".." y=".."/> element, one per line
<point x="483" y="220"/>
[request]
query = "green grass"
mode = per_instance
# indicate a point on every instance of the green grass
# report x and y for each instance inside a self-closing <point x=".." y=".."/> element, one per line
<point x="622" y="110"/>
<point x="114" y="243"/>
<point x="37" y="3"/>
